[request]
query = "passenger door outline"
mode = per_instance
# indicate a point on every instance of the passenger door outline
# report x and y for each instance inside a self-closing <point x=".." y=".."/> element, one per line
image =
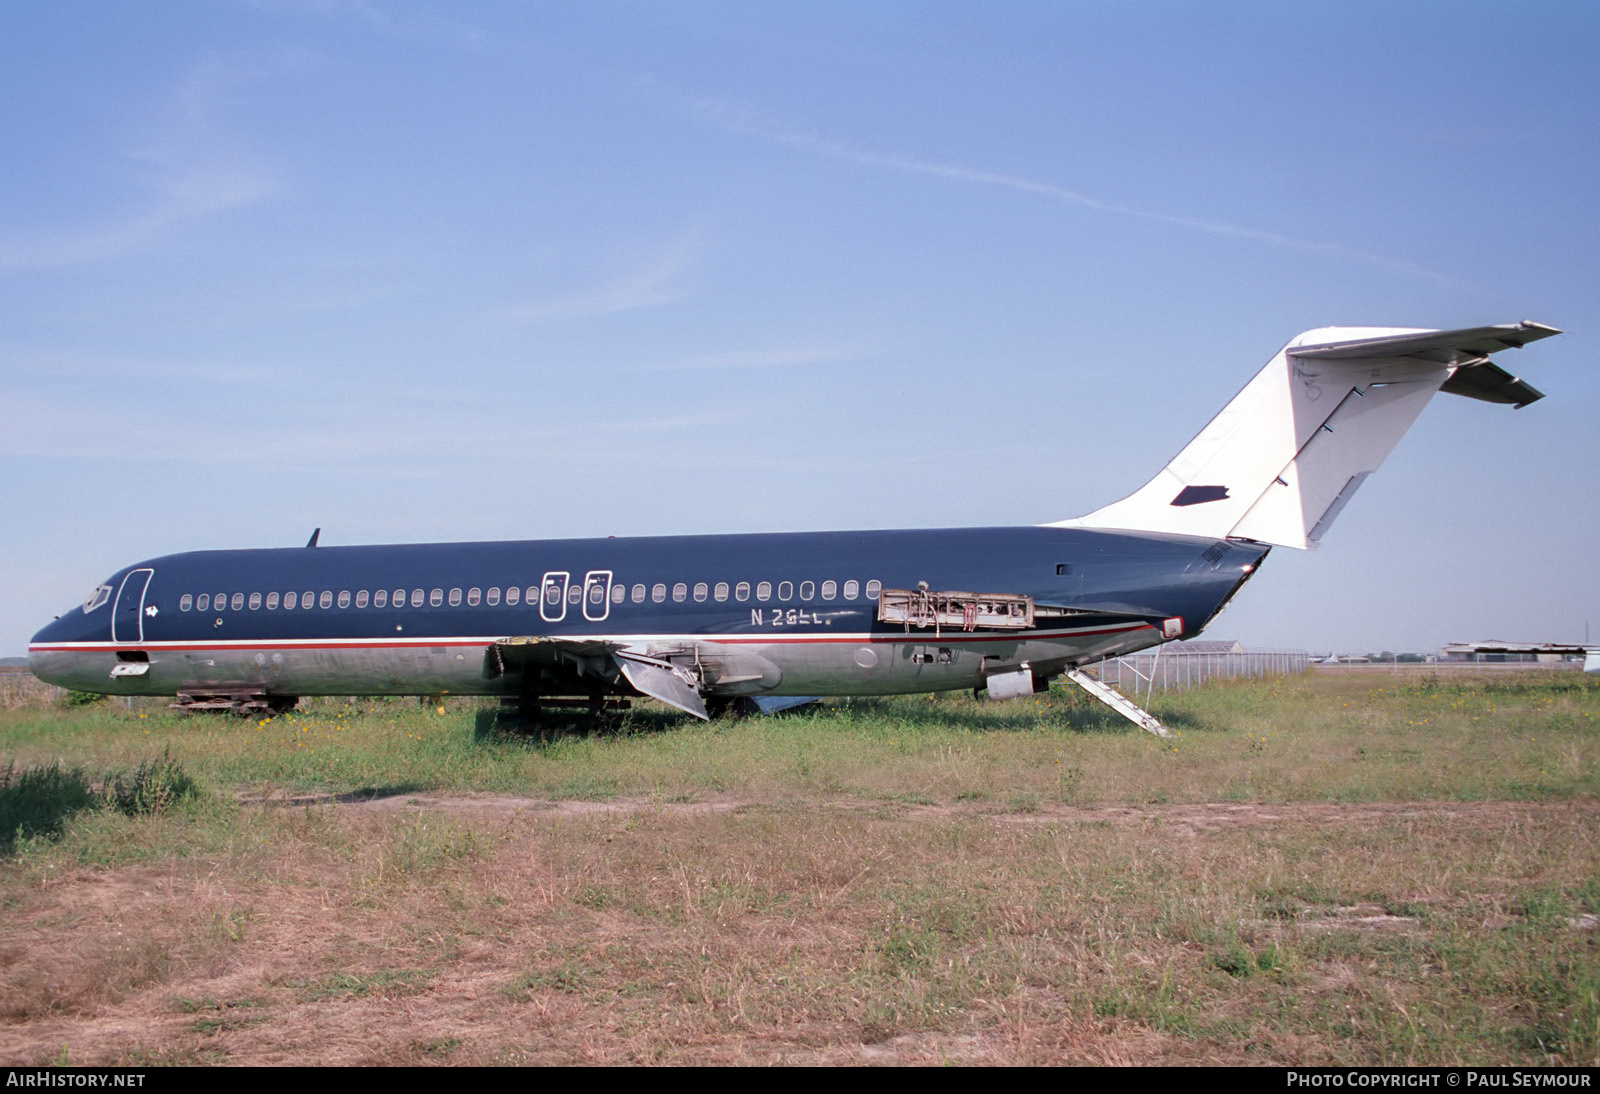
<point x="127" y="611"/>
<point x="554" y="610"/>
<point x="600" y="579"/>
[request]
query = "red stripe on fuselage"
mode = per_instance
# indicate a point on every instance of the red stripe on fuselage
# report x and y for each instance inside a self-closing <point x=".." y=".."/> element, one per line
<point x="415" y="643"/>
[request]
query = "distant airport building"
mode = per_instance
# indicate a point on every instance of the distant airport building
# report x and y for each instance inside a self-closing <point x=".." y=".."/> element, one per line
<point x="1497" y="653"/>
<point x="1182" y="665"/>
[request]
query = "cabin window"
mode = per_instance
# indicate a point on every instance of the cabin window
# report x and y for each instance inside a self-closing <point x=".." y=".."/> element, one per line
<point x="658" y="593"/>
<point x="597" y="594"/>
<point x="618" y="594"/>
<point x="874" y="587"/>
<point x="455" y="598"/>
<point x="435" y="598"/>
<point x="344" y="598"/>
<point x="680" y="592"/>
<point x="380" y="599"/>
<point x="307" y="601"/>
<point x="829" y="590"/>
<point x="325" y="601"/>
<point x="492" y="597"/>
<point x="637" y="594"/>
<point x="255" y="601"/>
<point x="289" y="601"/>
<point x="219" y="601"/>
<point x="808" y="589"/>
<point x="721" y="591"/>
<point x="272" y="602"/>
<point x="513" y="596"/>
<point x="699" y="590"/>
<point x="473" y="596"/>
<point x="552" y="594"/>
<point x="185" y="602"/>
<point x="764" y="591"/>
<point x="786" y="590"/>
<point x="741" y="591"/>
<point x="852" y="589"/>
<point x="238" y="601"/>
<point x="574" y="595"/>
<point x="202" y="602"/>
<point x="361" y="599"/>
<point x="531" y="595"/>
<point x="399" y="598"/>
<point x="416" y="598"/>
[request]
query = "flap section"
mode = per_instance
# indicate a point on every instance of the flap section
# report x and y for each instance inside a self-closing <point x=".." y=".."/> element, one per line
<point x="672" y="685"/>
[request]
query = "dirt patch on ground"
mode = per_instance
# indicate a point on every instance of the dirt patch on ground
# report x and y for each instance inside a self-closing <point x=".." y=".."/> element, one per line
<point x="484" y="928"/>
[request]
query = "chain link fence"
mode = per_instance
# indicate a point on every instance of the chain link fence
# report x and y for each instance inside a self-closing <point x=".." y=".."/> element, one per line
<point x="1177" y="669"/>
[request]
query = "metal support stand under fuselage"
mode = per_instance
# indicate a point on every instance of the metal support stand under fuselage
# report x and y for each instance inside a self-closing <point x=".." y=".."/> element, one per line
<point x="1118" y="702"/>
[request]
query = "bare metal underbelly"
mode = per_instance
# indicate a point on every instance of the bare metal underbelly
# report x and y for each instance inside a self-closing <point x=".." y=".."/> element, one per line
<point x="838" y="665"/>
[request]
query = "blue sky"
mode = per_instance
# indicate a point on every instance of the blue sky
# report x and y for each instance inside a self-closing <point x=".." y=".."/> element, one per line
<point x="441" y="271"/>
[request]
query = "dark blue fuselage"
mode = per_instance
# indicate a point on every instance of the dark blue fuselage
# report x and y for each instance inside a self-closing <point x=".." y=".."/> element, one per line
<point x="417" y="619"/>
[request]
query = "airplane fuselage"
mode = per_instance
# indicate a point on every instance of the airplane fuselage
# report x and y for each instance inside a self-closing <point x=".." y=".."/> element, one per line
<point x="759" y="615"/>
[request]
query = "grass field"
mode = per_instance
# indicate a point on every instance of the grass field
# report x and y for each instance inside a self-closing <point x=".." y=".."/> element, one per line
<point x="1318" y="870"/>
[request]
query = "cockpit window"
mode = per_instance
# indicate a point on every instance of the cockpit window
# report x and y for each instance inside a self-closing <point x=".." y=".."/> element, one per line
<point x="97" y="598"/>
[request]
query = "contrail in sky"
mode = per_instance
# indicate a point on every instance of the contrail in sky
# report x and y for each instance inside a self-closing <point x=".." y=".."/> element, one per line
<point x="749" y="124"/>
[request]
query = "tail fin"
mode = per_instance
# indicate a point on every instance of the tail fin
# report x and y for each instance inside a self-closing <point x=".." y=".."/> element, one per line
<point x="1285" y="456"/>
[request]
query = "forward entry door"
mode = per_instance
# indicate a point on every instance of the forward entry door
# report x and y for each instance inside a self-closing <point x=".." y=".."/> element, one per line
<point x="127" y="615"/>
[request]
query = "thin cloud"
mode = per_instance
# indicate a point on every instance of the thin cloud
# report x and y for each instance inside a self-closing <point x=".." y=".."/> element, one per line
<point x="190" y="168"/>
<point x="792" y="357"/>
<point x="654" y="283"/>
<point x="748" y="123"/>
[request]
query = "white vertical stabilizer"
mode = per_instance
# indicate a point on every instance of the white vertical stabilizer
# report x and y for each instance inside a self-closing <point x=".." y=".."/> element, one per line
<point x="1282" y="459"/>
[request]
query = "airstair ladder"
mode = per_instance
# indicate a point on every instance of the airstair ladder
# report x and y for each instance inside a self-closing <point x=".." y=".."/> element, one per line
<point x="1118" y="702"/>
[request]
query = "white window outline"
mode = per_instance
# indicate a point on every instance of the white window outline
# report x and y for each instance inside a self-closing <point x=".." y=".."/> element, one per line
<point x="554" y="610"/>
<point x="474" y="597"/>
<point x="344" y="598"/>
<point x="741" y="591"/>
<point x="637" y="594"/>
<point x="455" y="598"/>
<point x="701" y="591"/>
<point x="380" y="598"/>
<point x="764" y="591"/>
<point x="785" y="590"/>
<point x="255" y="602"/>
<point x="830" y="589"/>
<point x="619" y="593"/>
<point x="272" y="602"/>
<point x="680" y="593"/>
<point x="185" y="602"/>
<point x="417" y="596"/>
<point x="513" y="595"/>
<point x="237" y="602"/>
<point x="874" y="587"/>
<point x="492" y="597"/>
<point x="361" y="598"/>
<point x="325" y="601"/>
<point x="852" y="589"/>
<point x="658" y="593"/>
<point x="435" y="597"/>
<point x="596" y="595"/>
<point x="101" y="594"/>
<point x="291" y="600"/>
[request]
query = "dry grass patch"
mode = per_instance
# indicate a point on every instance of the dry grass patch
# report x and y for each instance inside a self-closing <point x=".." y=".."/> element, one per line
<point x="824" y="933"/>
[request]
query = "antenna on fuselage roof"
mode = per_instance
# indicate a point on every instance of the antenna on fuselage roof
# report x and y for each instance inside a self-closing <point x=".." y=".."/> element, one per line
<point x="312" y="542"/>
